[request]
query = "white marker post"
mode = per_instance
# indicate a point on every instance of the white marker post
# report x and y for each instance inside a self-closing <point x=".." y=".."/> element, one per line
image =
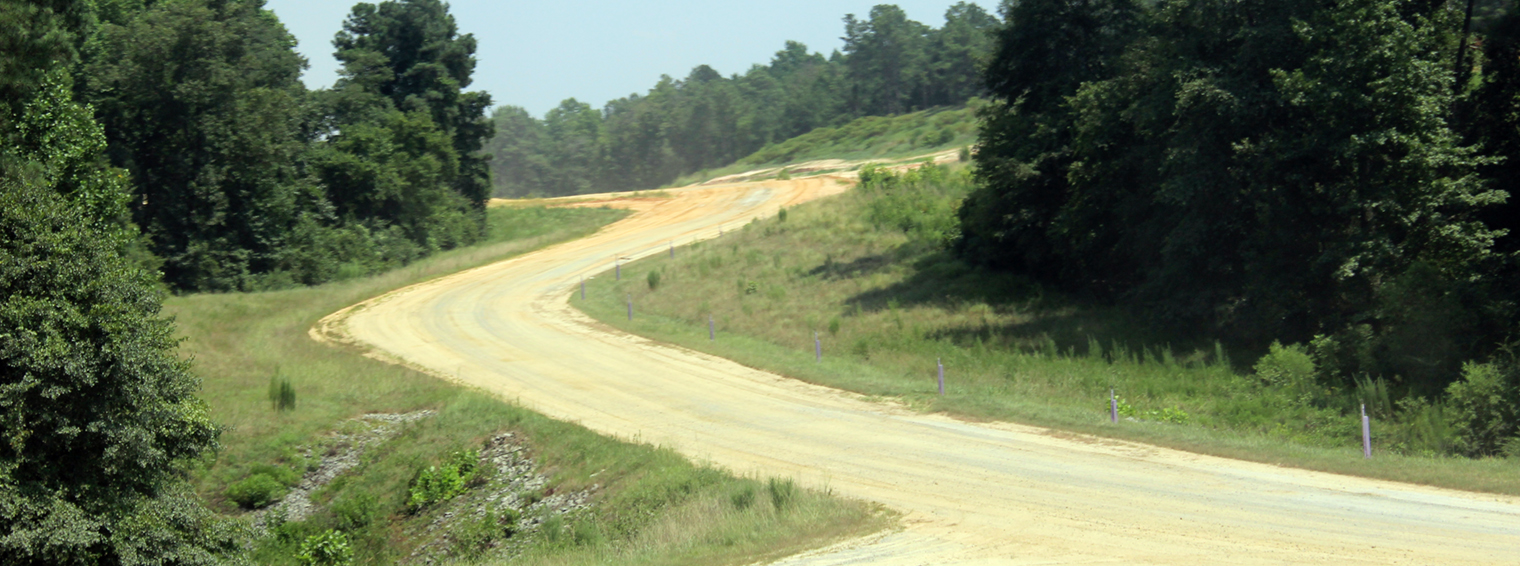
<point x="1366" y="434"/>
<point x="712" y="336"/>
<point x="941" y="375"/>
<point x="630" y="306"/>
<point x="1113" y="407"/>
<point x="817" y="348"/>
<point x="672" y="250"/>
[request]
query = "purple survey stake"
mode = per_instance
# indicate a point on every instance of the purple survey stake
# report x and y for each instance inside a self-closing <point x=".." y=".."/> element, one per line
<point x="941" y="366"/>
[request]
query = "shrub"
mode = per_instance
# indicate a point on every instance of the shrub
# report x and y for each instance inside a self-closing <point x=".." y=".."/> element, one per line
<point x="781" y="215"/>
<point x="1482" y="408"/>
<point x="654" y="280"/>
<point x="782" y="492"/>
<point x="282" y="396"/>
<point x="744" y="497"/>
<point x="255" y="491"/>
<point x="1289" y="369"/>
<point x="328" y="548"/>
<point x="355" y="512"/>
<point x="474" y="538"/>
<point x="442" y="483"/>
<point x="834" y="326"/>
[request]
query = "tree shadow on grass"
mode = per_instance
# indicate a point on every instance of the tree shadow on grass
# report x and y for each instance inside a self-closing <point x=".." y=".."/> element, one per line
<point x="1030" y="316"/>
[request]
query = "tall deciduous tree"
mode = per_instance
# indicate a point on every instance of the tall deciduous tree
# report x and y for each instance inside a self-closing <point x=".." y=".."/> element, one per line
<point x="98" y="415"/>
<point x="201" y="100"/>
<point x="1279" y="170"/>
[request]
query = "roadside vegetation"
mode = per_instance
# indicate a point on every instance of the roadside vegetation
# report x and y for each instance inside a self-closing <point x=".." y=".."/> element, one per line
<point x="646" y="504"/>
<point x="869" y="273"/>
<point x="872" y="137"/>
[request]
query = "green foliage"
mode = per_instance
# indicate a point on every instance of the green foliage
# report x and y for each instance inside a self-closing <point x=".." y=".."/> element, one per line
<point x="920" y="202"/>
<point x="443" y="482"/>
<point x="201" y="101"/>
<point x="255" y="491"/>
<point x="1483" y="407"/>
<point x="1289" y="368"/>
<point x="654" y="280"/>
<point x="781" y="215"/>
<point x="329" y="548"/>
<point x="282" y="395"/>
<point x="1232" y="169"/>
<point x="782" y="492"/>
<point x="743" y="497"/>
<point x="889" y="64"/>
<point x="355" y="512"/>
<point x="476" y="536"/>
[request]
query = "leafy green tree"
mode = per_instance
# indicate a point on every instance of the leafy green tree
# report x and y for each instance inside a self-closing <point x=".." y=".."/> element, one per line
<point x="430" y="65"/>
<point x="1043" y="52"/>
<point x="886" y="59"/>
<point x="100" y="418"/>
<point x="1274" y="170"/>
<point x="518" y="163"/>
<point x="575" y="142"/>
<point x="957" y="52"/>
<point x="200" y="100"/>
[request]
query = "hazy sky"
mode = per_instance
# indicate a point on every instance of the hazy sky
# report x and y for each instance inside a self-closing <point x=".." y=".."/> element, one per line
<point x="535" y="54"/>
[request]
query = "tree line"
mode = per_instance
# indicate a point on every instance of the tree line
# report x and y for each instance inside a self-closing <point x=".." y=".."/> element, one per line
<point x="1333" y="173"/>
<point x="243" y="179"/>
<point x="890" y="64"/>
<point x="139" y="135"/>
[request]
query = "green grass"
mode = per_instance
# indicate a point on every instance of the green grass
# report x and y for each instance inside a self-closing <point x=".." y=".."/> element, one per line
<point x="241" y="341"/>
<point x="887" y="304"/>
<point x="871" y="137"/>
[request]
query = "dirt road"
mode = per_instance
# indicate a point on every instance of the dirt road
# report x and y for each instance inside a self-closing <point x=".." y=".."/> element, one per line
<point x="970" y="493"/>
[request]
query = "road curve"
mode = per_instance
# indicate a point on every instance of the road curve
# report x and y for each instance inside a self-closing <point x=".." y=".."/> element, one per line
<point x="969" y="493"/>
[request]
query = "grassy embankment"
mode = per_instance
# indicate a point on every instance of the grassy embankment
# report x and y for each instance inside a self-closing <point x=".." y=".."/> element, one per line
<point x="871" y="137"/>
<point x="887" y="302"/>
<point x="652" y="505"/>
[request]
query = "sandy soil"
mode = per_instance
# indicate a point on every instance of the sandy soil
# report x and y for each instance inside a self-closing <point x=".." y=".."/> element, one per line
<point x="970" y="493"/>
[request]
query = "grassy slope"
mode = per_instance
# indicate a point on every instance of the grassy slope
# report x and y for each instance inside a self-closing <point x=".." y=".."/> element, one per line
<point x="886" y="308"/>
<point x="240" y="340"/>
<point x="872" y="137"/>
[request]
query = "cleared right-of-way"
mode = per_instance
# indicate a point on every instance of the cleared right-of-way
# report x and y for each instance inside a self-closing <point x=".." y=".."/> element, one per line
<point x="969" y="493"/>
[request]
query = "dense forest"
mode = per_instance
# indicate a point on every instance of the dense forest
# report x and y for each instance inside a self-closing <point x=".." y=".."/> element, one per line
<point x="145" y="143"/>
<point x="240" y="178"/>
<point x="1335" y="175"/>
<point x="889" y="65"/>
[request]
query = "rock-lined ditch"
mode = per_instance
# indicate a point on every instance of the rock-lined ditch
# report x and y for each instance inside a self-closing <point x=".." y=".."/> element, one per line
<point x="509" y="490"/>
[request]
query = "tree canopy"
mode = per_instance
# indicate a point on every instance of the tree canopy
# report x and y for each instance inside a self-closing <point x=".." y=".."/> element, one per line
<point x="1266" y="171"/>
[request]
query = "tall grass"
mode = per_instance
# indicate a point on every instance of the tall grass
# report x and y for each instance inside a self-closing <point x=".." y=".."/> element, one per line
<point x="867" y="270"/>
<point x="241" y="342"/>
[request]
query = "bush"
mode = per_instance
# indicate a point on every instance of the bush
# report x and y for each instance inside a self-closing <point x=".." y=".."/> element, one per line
<point x="1482" y="408"/>
<point x="256" y="491"/>
<point x="329" y="548"/>
<point x="654" y="280"/>
<point x="355" y="512"/>
<point x="1288" y="369"/>
<point x="744" y="497"/>
<point x="782" y="492"/>
<point x="442" y="483"/>
<point x="282" y="396"/>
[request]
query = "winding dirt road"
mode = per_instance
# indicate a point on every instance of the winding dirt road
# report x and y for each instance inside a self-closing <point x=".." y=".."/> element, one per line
<point x="970" y="493"/>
